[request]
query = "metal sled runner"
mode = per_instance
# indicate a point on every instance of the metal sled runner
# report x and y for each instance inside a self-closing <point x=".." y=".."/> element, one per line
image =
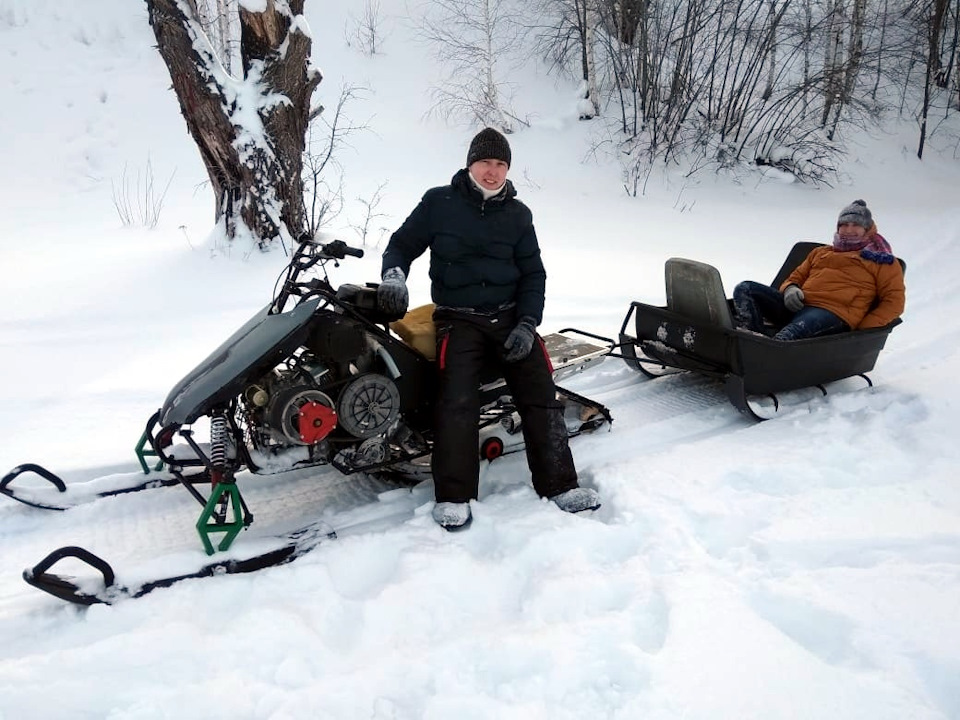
<point x="695" y="332"/>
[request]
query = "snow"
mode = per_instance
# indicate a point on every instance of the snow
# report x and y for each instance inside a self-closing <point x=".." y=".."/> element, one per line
<point x="806" y="567"/>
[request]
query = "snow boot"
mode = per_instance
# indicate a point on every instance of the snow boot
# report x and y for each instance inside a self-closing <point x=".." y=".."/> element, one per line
<point x="577" y="500"/>
<point x="452" y="516"/>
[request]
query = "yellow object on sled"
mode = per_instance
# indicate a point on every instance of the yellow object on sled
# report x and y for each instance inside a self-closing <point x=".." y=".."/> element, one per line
<point x="417" y="330"/>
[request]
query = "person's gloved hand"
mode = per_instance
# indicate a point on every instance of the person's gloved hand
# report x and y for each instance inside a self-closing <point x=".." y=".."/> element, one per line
<point x="392" y="296"/>
<point x="520" y="340"/>
<point x="793" y="298"/>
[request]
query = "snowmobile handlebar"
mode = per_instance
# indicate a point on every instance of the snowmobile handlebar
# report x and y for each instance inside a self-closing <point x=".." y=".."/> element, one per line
<point x="338" y="249"/>
<point x="334" y="250"/>
<point x="307" y="255"/>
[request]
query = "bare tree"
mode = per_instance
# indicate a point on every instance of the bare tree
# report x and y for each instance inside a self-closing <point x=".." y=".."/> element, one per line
<point x="474" y="40"/>
<point x="368" y="28"/>
<point x="221" y="22"/>
<point x="370" y="214"/>
<point x="249" y="122"/>
<point x="625" y="17"/>
<point x="881" y="46"/>
<point x="717" y="84"/>
<point x="774" y="18"/>
<point x="729" y="83"/>
<point x="843" y="68"/>
<point x="322" y="172"/>
<point x="951" y="49"/>
<point x="936" y="15"/>
<point x="565" y="35"/>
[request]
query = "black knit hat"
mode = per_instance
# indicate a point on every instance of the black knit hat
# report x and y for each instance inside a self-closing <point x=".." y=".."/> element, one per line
<point x="488" y="144"/>
<point x="857" y="213"/>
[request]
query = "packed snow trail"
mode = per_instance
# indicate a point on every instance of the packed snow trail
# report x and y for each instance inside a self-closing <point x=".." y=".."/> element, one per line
<point x="150" y="535"/>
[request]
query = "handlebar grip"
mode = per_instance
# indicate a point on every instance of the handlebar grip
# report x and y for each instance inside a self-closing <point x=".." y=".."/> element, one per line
<point x="339" y="249"/>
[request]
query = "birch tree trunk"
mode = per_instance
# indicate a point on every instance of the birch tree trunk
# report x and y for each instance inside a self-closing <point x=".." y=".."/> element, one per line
<point x="935" y="26"/>
<point x="590" y="22"/>
<point x="833" y="51"/>
<point x="250" y="125"/>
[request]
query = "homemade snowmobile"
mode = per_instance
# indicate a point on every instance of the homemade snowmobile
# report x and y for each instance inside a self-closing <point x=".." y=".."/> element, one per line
<point x="320" y="376"/>
<point x="695" y="332"/>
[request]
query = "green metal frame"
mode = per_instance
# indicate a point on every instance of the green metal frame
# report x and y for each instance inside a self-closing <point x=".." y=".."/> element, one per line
<point x="143" y="452"/>
<point x="213" y="518"/>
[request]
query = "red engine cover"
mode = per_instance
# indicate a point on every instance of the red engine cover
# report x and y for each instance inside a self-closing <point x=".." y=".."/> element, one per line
<point x="316" y="421"/>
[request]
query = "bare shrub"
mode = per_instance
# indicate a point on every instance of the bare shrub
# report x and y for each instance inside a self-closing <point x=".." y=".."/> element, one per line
<point x="366" y="30"/>
<point x="365" y="227"/>
<point x="323" y="174"/>
<point x="137" y="198"/>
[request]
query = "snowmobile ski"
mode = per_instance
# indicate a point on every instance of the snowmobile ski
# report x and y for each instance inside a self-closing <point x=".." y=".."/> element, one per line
<point x="77" y="494"/>
<point x="105" y="590"/>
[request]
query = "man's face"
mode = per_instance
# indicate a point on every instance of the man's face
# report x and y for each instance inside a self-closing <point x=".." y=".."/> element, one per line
<point x="851" y="230"/>
<point x="490" y="173"/>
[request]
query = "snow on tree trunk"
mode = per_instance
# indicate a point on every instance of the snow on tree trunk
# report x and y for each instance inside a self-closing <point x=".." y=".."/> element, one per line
<point x="250" y="128"/>
<point x="592" y="98"/>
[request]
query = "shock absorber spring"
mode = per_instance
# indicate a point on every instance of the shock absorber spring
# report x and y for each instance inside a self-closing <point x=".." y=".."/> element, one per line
<point x="219" y="433"/>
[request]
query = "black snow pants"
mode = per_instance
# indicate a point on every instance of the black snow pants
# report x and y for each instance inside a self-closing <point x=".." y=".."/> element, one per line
<point x="469" y="349"/>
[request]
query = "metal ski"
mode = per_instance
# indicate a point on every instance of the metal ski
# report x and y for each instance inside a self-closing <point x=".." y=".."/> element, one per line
<point x="77" y="494"/>
<point x="106" y="590"/>
<point x="104" y="587"/>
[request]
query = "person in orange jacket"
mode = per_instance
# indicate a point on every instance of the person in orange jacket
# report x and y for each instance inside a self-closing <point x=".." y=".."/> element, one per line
<point x="854" y="284"/>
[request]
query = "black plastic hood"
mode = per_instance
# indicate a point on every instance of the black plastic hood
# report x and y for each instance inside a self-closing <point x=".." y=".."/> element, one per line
<point x="262" y="342"/>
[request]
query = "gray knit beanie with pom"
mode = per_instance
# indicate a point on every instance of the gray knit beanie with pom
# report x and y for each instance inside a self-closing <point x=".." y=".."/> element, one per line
<point x="488" y="144"/>
<point x="857" y="213"/>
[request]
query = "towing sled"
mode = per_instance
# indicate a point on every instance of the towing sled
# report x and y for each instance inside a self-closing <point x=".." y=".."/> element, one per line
<point x="695" y="332"/>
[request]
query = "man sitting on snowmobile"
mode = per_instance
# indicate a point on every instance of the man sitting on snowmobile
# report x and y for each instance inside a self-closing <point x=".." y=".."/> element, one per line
<point x="854" y="284"/>
<point x="488" y="283"/>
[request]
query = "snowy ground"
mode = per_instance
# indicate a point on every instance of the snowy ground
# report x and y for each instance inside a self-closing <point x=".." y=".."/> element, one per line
<point x="807" y="567"/>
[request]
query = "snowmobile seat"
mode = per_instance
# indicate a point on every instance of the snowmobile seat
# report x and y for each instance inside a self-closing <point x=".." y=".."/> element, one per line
<point x="695" y="332"/>
<point x="566" y="352"/>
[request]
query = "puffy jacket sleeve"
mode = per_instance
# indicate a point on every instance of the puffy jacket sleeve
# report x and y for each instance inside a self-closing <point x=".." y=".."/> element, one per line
<point x="892" y="294"/>
<point x="411" y="239"/>
<point x="801" y="272"/>
<point x="532" y="285"/>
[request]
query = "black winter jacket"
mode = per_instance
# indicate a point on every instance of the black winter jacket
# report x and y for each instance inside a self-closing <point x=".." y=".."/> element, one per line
<point x="483" y="254"/>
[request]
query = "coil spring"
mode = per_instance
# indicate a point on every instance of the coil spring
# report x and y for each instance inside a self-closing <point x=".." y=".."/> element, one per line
<point x="218" y="440"/>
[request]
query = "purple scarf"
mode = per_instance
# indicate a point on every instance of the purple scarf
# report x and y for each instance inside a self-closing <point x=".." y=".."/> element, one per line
<point x="872" y="247"/>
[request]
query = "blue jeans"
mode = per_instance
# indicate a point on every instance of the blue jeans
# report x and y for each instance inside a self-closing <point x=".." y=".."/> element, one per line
<point x="757" y="304"/>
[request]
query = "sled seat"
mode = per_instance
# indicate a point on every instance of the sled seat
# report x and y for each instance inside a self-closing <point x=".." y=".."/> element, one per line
<point x="695" y="290"/>
<point x="695" y="332"/>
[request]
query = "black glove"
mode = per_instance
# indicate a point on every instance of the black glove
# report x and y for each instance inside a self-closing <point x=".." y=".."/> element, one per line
<point x="392" y="296"/>
<point x="520" y="340"/>
<point x="793" y="298"/>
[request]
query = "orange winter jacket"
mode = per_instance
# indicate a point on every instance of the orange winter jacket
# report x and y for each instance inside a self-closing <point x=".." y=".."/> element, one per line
<point x="848" y="285"/>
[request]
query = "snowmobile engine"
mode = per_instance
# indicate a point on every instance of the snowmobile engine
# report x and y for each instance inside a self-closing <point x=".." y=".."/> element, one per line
<point x="293" y="408"/>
